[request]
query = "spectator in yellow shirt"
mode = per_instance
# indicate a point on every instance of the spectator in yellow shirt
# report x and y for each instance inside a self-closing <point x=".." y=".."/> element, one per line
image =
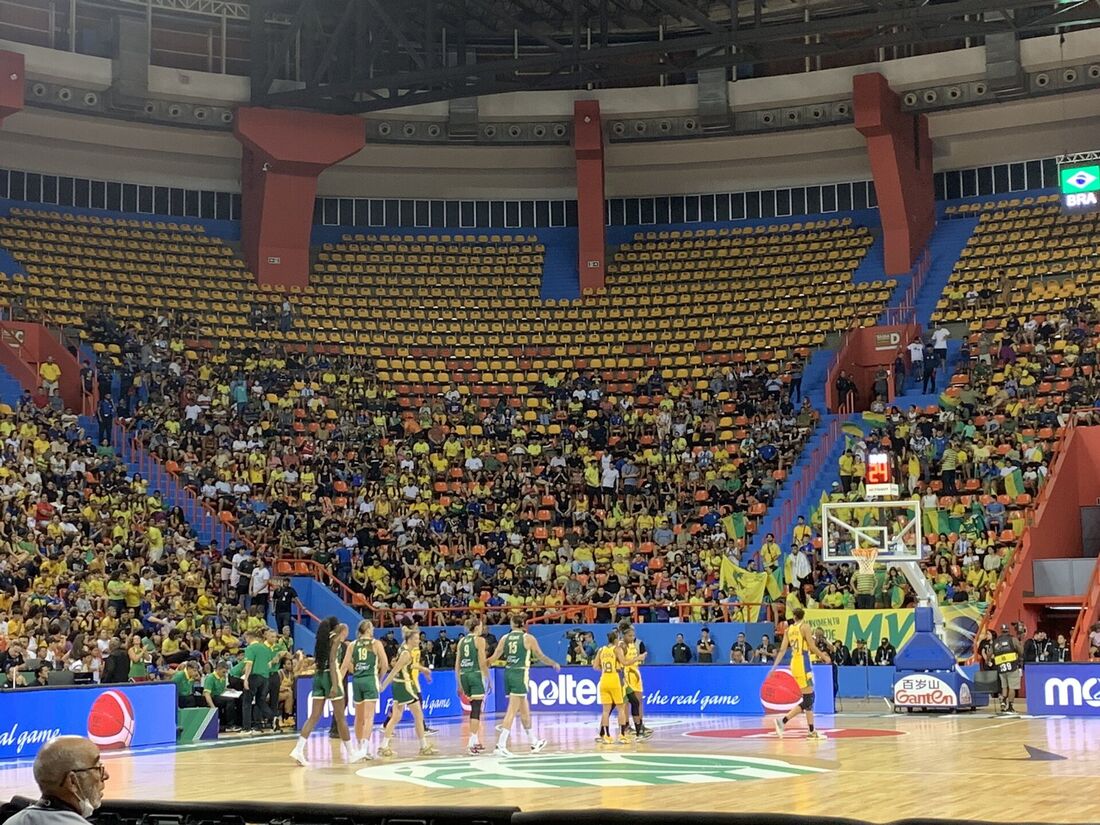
<point x="770" y="553"/>
<point x="50" y="374"/>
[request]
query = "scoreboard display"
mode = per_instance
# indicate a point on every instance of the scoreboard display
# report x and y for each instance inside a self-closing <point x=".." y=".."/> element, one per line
<point x="878" y="477"/>
<point x="1080" y="187"/>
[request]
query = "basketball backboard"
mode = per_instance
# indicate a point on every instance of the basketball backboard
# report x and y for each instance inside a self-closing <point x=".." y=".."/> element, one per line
<point x="892" y="528"/>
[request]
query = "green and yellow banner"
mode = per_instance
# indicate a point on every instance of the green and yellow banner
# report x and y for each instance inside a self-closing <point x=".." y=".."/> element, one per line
<point x="1014" y="483"/>
<point x="961" y="622"/>
<point x="749" y="586"/>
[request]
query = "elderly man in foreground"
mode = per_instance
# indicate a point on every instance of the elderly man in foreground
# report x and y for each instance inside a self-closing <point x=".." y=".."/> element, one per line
<point x="70" y="776"/>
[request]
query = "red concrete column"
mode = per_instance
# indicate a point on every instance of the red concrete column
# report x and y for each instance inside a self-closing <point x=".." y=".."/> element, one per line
<point x="900" y="152"/>
<point x="591" y="220"/>
<point x="11" y="83"/>
<point x="283" y="154"/>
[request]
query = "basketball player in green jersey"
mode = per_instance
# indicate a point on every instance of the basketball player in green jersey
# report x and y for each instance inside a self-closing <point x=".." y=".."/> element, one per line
<point x="365" y="660"/>
<point x="406" y="694"/>
<point x="472" y="676"/>
<point x="516" y="648"/>
<point x="328" y="683"/>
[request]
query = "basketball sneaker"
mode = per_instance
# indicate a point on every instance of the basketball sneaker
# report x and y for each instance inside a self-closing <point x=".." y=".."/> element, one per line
<point x="429" y="750"/>
<point x="500" y="750"/>
<point x="362" y="755"/>
<point x="816" y="734"/>
<point x="647" y="733"/>
<point x="779" y="725"/>
<point x="622" y="740"/>
<point x="385" y="750"/>
<point x="299" y="756"/>
<point x="538" y="745"/>
<point x="476" y="749"/>
<point x="605" y="740"/>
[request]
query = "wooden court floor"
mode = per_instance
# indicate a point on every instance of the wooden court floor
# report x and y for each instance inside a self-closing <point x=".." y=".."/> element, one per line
<point x="873" y="765"/>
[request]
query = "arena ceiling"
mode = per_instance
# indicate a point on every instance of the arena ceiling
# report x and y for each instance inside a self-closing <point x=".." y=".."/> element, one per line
<point x="348" y="56"/>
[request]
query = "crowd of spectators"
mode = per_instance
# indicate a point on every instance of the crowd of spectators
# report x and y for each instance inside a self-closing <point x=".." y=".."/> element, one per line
<point x="619" y="503"/>
<point x="976" y="460"/>
<point x="101" y="582"/>
<point x="576" y="496"/>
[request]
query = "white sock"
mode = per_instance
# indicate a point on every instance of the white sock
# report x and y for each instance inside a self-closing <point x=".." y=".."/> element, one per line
<point x="423" y="742"/>
<point x="502" y="740"/>
<point x="527" y="733"/>
<point x="385" y="741"/>
<point x="300" y="745"/>
<point x="472" y="740"/>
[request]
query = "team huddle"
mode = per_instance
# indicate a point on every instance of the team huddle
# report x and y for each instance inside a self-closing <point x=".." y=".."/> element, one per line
<point x="618" y="663"/>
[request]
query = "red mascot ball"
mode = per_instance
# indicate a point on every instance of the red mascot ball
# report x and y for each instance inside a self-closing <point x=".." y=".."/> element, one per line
<point x="111" y="721"/>
<point x="780" y="692"/>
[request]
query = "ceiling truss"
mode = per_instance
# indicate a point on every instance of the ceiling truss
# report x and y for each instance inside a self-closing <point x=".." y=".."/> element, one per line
<point x="349" y="56"/>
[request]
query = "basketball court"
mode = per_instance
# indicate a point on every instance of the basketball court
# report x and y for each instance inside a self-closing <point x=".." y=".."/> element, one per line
<point x="873" y="765"/>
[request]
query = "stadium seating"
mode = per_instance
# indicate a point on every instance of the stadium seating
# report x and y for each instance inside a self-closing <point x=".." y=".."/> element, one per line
<point x="79" y="263"/>
<point x="432" y="357"/>
<point x="1026" y="258"/>
<point x="465" y="309"/>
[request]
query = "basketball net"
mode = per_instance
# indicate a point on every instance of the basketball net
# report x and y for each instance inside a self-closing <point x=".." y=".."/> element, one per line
<point x="865" y="558"/>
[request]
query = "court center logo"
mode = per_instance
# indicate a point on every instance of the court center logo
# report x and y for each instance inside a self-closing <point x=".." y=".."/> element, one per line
<point x="584" y="770"/>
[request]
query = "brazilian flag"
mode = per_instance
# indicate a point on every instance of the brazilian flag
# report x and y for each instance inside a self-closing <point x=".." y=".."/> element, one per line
<point x="948" y="401"/>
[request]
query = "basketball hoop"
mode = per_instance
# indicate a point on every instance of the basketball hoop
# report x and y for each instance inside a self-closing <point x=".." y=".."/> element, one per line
<point x="865" y="558"/>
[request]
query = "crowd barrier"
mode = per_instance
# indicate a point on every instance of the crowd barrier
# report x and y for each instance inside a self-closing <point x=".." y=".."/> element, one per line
<point x="727" y="689"/>
<point x="113" y="716"/>
<point x="266" y="813"/>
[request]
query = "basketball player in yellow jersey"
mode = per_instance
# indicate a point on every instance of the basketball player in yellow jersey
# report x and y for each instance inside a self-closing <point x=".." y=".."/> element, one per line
<point x="609" y="661"/>
<point x="801" y="643"/>
<point x="632" y="676"/>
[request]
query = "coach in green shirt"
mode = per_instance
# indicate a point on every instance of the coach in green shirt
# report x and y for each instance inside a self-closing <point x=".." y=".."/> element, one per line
<point x="213" y="688"/>
<point x="184" y="679"/>
<point x="253" y="671"/>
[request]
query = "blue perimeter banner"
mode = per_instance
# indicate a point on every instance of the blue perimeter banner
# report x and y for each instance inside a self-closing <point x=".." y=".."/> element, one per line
<point x="728" y="689"/>
<point x="725" y="689"/>
<point x="439" y="699"/>
<point x="1072" y="690"/>
<point x="113" y="716"/>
